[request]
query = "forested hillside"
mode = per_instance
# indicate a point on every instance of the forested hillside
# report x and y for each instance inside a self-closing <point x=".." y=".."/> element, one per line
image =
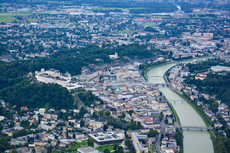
<point x="15" y="90"/>
<point x="215" y="84"/>
<point x="88" y="98"/>
<point x="71" y="60"/>
<point x="34" y="95"/>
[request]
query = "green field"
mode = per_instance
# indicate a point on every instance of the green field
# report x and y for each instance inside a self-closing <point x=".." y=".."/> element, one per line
<point x="9" y="17"/>
<point x="160" y="16"/>
<point x="198" y="17"/>
<point x="56" y="2"/>
<point x="102" y="148"/>
<point x="115" y="8"/>
<point x="77" y="145"/>
<point x="126" y="31"/>
<point x="33" y="20"/>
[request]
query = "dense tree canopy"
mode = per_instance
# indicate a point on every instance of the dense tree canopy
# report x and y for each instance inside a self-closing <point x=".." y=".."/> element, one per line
<point x="88" y="98"/>
<point x="35" y="95"/>
<point x="214" y="84"/>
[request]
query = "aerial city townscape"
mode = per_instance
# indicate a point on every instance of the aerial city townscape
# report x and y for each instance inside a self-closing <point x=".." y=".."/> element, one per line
<point x="115" y="76"/>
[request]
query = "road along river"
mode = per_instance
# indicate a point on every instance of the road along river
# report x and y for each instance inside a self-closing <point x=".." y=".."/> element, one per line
<point x="194" y="141"/>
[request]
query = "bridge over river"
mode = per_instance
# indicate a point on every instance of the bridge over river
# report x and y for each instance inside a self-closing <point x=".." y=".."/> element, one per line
<point x="194" y="128"/>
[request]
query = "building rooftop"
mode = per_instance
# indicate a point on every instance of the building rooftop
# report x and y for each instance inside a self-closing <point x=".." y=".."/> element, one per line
<point x="86" y="149"/>
<point x="107" y="136"/>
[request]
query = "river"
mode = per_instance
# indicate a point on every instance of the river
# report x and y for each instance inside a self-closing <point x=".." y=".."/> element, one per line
<point x="194" y="141"/>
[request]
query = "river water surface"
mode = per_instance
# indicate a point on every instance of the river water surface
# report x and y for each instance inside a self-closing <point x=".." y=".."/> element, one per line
<point x="194" y="141"/>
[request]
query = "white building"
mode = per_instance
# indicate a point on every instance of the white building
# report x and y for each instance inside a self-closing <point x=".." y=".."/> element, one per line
<point x="113" y="56"/>
<point x="87" y="150"/>
<point x="54" y="76"/>
<point x="2" y="118"/>
<point x="219" y="68"/>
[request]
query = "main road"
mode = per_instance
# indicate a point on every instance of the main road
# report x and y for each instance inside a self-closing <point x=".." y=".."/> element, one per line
<point x="194" y="141"/>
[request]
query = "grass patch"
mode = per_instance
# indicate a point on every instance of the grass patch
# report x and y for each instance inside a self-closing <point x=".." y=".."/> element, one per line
<point x="160" y="16"/>
<point x="213" y="139"/>
<point x="109" y="147"/>
<point x="212" y="136"/>
<point x="149" y="24"/>
<point x="33" y="20"/>
<point x="68" y="20"/>
<point x="73" y="147"/>
<point x="79" y="101"/>
<point x="46" y="106"/>
<point x="165" y="77"/>
<point x="174" y="112"/>
<point x="125" y="31"/>
<point x="80" y="91"/>
<point x="170" y="105"/>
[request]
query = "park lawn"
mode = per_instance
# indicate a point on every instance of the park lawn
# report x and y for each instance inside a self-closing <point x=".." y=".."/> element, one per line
<point x="102" y="148"/>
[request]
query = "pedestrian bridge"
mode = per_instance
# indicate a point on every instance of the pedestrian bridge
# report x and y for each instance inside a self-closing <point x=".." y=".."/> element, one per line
<point x="178" y="101"/>
<point x="155" y="76"/>
<point x="195" y="128"/>
<point x="162" y="84"/>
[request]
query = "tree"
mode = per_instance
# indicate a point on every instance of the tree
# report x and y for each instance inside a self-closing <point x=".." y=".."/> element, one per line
<point x="12" y="124"/>
<point x="33" y="150"/>
<point x="107" y="113"/>
<point x="14" y="151"/>
<point x="100" y="112"/>
<point x="115" y="146"/>
<point x="49" y="141"/>
<point x="58" y="142"/>
<point x="128" y="143"/>
<point x="215" y="106"/>
<point x="120" y="149"/>
<point x="82" y="123"/>
<point x="153" y="133"/>
<point x="123" y="115"/>
<point x="90" y="142"/>
<point x="106" y="151"/>
<point x="105" y="127"/>
<point x="37" y="136"/>
<point x="74" y="136"/>
<point x="130" y="112"/>
<point x="61" y="124"/>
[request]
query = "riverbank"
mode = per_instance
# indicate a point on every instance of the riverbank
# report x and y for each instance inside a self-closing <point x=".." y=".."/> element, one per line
<point x="194" y="107"/>
<point x="189" y="141"/>
<point x="212" y="137"/>
<point x="148" y="69"/>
